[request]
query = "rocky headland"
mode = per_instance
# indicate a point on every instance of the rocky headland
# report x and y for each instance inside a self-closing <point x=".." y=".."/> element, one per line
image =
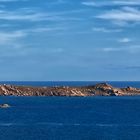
<point x="102" y="89"/>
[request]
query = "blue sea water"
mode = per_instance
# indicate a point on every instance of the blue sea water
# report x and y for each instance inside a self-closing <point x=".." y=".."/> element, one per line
<point x="71" y="118"/>
<point x="72" y="83"/>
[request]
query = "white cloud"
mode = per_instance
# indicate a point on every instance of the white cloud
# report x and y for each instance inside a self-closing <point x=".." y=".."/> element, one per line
<point x="27" y="14"/>
<point x="123" y="15"/>
<point x="17" y="15"/>
<point x="125" y="40"/>
<point x="112" y="3"/>
<point x="11" y="43"/>
<point x="44" y="29"/>
<point x="33" y="15"/>
<point x="110" y="49"/>
<point x="11" y="0"/>
<point x="105" y="30"/>
<point x="60" y="2"/>
<point x="90" y="3"/>
<point x="14" y="42"/>
<point x="128" y="2"/>
<point x="9" y="37"/>
<point x="128" y="49"/>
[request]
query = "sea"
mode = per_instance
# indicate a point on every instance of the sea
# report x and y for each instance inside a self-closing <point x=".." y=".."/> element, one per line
<point x="70" y="118"/>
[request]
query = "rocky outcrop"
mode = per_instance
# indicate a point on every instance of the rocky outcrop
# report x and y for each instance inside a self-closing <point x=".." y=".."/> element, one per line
<point x="102" y="89"/>
<point x="4" y="106"/>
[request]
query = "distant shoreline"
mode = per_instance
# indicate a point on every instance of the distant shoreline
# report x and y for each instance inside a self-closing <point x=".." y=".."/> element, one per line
<point x="101" y="89"/>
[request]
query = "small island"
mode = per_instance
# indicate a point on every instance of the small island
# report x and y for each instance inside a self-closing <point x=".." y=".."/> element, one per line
<point x="4" y="105"/>
<point x="101" y="89"/>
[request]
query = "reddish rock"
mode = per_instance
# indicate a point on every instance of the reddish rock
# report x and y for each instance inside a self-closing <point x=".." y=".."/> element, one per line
<point x="102" y="89"/>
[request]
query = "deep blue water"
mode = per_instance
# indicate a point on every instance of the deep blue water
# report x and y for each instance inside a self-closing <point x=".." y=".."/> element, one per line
<point x="72" y="83"/>
<point x="71" y="118"/>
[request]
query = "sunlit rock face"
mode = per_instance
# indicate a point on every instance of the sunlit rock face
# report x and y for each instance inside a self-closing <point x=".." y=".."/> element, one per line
<point x="102" y="89"/>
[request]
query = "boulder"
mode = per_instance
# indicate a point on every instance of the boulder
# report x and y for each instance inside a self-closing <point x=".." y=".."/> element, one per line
<point x="4" y="106"/>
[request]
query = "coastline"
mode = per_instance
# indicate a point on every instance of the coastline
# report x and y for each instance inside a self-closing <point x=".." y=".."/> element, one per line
<point x="101" y="89"/>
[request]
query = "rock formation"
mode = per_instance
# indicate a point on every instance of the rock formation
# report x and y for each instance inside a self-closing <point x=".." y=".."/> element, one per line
<point x="102" y="89"/>
<point x="4" y="106"/>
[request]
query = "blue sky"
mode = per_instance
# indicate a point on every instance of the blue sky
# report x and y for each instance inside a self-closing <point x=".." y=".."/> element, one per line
<point x="69" y="40"/>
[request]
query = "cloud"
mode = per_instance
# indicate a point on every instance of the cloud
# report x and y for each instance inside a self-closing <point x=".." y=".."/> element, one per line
<point x="90" y="3"/>
<point x="124" y="40"/>
<point x="36" y="15"/>
<point x="18" y="15"/>
<point x="44" y="29"/>
<point x="128" y="2"/>
<point x="11" y="44"/>
<point x="27" y="14"/>
<point x="109" y="49"/>
<point x="105" y="30"/>
<point x="123" y="16"/>
<point x="128" y="49"/>
<point x="7" y="38"/>
<point x="11" y="0"/>
<point x="112" y="3"/>
<point x="59" y="2"/>
<point x="15" y="42"/>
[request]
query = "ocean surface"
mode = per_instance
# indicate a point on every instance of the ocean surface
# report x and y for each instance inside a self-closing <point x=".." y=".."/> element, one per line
<point x="72" y="83"/>
<point x="71" y="118"/>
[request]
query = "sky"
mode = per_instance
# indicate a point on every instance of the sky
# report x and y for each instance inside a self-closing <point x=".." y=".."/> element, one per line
<point x="69" y="40"/>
